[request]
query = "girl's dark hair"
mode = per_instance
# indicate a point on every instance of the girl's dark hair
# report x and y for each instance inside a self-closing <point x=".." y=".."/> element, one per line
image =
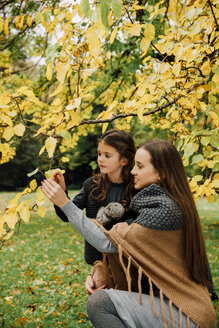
<point x="167" y="161"/>
<point x="124" y="145"/>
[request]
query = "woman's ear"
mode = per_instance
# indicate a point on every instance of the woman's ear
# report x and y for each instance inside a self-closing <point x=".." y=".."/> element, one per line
<point x="124" y="161"/>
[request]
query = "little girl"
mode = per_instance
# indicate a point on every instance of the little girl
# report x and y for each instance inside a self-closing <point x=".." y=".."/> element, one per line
<point x="116" y="151"/>
<point x="163" y="247"/>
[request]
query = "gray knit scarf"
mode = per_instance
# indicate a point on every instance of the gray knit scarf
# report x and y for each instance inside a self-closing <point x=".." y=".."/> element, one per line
<point x="156" y="210"/>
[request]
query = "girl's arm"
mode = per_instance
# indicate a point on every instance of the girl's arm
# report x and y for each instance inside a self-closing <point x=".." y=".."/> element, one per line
<point x="91" y="232"/>
<point x="79" y="201"/>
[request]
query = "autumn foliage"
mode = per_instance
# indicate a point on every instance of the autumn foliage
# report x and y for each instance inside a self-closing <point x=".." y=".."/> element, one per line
<point x="156" y="61"/>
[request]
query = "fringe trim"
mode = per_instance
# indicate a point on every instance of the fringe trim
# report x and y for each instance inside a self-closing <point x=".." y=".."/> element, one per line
<point x="129" y="279"/>
<point x="172" y="314"/>
<point x="126" y="270"/>
<point x="166" y="324"/>
<point x="180" y="318"/>
<point x="187" y="322"/>
<point x="139" y="284"/>
<point x="152" y="298"/>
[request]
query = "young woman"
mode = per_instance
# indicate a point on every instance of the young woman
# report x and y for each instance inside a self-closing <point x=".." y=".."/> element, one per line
<point x="114" y="183"/>
<point x="163" y="247"/>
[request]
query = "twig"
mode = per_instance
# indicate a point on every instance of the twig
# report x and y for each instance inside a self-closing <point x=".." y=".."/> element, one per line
<point x="212" y="10"/>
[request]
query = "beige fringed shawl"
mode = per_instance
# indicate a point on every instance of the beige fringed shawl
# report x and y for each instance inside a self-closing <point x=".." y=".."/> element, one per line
<point x="158" y="255"/>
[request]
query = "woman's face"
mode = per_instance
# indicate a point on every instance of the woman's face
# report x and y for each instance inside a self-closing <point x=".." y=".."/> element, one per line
<point x="110" y="162"/>
<point x="143" y="171"/>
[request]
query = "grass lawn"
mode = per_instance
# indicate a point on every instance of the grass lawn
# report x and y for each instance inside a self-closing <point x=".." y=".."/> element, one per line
<point x="42" y="271"/>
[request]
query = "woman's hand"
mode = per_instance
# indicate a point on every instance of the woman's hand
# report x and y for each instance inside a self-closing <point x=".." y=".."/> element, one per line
<point x="120" y="224"/>
<point x="54" y="192"/>
<point x="58" y="177"/>
<point x="89" y="285"/>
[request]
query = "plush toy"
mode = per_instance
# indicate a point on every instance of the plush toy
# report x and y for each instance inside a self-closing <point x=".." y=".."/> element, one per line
<point x="112" y="212"/>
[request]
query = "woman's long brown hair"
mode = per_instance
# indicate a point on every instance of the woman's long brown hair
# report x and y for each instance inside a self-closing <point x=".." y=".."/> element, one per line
<point x="124" y="145"/>
<point x="167" y="161"/>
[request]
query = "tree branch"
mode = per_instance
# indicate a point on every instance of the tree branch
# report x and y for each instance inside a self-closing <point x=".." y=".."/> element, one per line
<point x="212" y="10"/>
<point x="155" y="110"/>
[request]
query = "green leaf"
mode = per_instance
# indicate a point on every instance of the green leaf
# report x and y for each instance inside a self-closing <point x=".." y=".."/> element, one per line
<point x="215" y="141"/>
<point x="93" y="165"/>
<point x="209" y="108"/>
<point x="205" y="140"/>
<point x="197" y="158"/>
<point x="32" y="173"/>
<point x="117" y="8"/>
<point x="189" y="150"/>
<point x="105" y="9"/>
<point x="85" y="7"/>
<point x="66" y="135"/>
<point x="50" y="52"/>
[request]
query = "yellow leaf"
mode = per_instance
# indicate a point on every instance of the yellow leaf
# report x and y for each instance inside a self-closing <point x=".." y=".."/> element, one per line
<point x="176" y="69"/>
<point x="61" y="72"/>
<point x="198" y="178"/>
<point x="49" y="70"/>
<point x="214" y="118"/>
<point x="21" y="22"/>
<point x="42" y="150"/>
<point x="149" y="32"/>
<point x="29" y="20"/>
<point x="50" y="173"/>
<point x="74" y="120"/>
<point x="65" y="159"/>
<point x="93" y="42"/>
<point x="113" y="35"/>
<point x="59" y="89"/>
<point x="29" y="93"/>
<point x="216" y="180"/>
<point x="77" y="102"/>
<point x="8" y="133"/>
<point x="1" y="227"/>
<point x="5" y="99"/>
<point x="19" y="129"/>
<point x="11" y="220"/>
<point x="6" y="26"/>
<point x="50" y="145"/>
<point x="206" y="67"/>
<point x="33" y="184"/>
<point x="8" y="236"/>
<point x="141" y="89"/>
<point x="175" y="115"/>
<point x="210" y="199"/>
<point x="43" y="22"/>
<point x="40" y="196"/>
<point x="25" y="214"/>
<point x="133" y="29"/>
<point x="140" y="113"/>
<point x="145" y="44"/>
<point x="104" y="127"/>
<point x="1" y="25"/>
<point x="7" y="120"/>
<point x="68" y="15"/>
<point x="41" y="211"/>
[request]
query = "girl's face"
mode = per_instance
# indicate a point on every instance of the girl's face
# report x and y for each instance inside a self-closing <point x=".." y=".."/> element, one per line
<point x="110" y="162"/>
<point x="144" y="172"/>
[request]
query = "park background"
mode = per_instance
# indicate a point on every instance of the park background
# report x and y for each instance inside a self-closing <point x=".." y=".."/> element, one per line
<point x="69" y="71"/>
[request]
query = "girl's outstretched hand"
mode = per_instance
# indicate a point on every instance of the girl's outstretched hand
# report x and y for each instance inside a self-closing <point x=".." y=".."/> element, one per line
<point x="54" y="192"/>
<point x="58" y="177"/>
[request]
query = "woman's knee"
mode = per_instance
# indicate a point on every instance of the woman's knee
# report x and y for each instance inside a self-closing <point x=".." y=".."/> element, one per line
<point x="96" y="302"/>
